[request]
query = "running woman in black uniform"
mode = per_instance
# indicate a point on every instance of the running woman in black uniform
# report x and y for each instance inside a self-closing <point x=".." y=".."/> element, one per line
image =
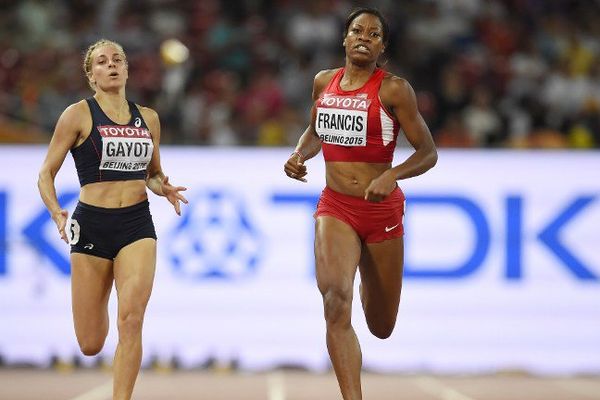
<point x="114" y="143"/>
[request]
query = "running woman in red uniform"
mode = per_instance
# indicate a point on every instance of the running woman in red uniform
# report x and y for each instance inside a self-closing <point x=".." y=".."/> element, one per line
<point x="114" y="143"/>
<point x="358" y="112"/>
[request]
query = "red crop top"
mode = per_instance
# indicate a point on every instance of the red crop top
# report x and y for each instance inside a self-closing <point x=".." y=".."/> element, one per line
<point x="353" y="125"/>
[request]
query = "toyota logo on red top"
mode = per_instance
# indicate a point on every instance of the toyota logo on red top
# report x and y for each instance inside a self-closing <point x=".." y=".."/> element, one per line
<point x="358" y="102"/>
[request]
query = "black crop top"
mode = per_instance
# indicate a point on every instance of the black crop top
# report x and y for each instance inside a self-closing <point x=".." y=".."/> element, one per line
<point x="113" y="152"/>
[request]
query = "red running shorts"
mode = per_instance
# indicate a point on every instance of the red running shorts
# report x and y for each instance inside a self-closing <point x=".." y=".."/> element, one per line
<point x="372" y="221"/>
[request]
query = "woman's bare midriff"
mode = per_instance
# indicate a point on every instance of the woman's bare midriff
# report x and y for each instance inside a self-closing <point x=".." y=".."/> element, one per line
<point x="114" y="194"/>
<point x="352" y="178"/>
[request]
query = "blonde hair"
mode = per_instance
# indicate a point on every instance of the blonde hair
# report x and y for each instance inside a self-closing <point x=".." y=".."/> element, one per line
<point x="87" y="58"/>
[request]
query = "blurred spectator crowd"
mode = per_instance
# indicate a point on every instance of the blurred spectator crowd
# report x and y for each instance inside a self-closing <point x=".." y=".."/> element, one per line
<point x="487" y="73"/>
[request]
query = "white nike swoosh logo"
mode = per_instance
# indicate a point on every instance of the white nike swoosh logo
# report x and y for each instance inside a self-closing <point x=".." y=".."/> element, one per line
<point x="389" y="228"/>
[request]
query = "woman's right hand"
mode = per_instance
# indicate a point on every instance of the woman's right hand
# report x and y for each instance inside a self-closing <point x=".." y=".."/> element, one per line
<point x="295" y="168"/>
<point x="60" y="219"/>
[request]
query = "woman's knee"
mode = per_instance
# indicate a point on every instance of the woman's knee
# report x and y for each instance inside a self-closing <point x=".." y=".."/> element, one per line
<point x="382" y="327"/>
<point x="130" y="323"/>
<point x="338" y="305"/>
<point x="91" y="346"/>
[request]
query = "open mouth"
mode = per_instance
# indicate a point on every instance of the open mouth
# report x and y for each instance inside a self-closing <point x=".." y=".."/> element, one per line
<point x="361" y="48"/>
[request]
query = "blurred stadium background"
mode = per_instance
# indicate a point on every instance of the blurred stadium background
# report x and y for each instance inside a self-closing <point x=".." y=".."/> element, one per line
<point x="511" y="73"/>
<point x="502" y="291"/>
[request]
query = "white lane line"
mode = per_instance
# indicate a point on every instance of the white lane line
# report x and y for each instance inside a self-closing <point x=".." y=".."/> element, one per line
<point x="579" y="388"/>
<point x="441" y="391"/>
<point x="102" y="392"/>
<point x="276" y="386"/>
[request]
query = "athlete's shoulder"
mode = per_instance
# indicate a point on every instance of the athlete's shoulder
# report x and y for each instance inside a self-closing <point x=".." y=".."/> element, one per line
<point x="74" y="120"/>
<point x="148" y="113"/>
<point x="326" y="74"/>
<point x="152" y="120"/>
<point x="77" y="107"/>
<point x="322" y="79"/>
<point x="76" y="112"/>
<point x="394" y="82"/>
<point x="395" y="89"/>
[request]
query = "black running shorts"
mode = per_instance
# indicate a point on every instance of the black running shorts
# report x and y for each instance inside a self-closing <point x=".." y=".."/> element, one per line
<point x="103" y="232"/>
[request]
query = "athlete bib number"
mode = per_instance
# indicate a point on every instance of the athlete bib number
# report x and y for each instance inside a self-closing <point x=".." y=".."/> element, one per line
<point x="126" y="154"/>
<point x="342" y="120"/>
<point x="125" y="148"/>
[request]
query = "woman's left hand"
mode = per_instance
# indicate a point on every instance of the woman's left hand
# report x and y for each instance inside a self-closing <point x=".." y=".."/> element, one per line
<point x="172" y="194"/>
<point x="381" y="187"/>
